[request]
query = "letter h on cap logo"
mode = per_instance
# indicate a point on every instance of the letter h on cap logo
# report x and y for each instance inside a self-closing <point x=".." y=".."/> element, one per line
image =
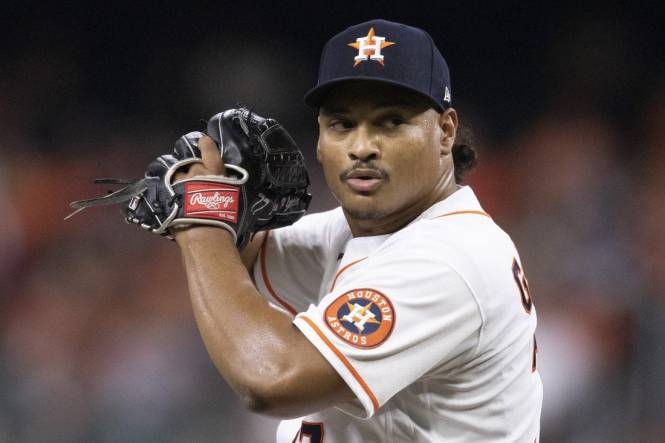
<point x="369" y="47"/>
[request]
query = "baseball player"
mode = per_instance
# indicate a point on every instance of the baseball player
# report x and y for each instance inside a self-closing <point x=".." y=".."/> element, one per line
<point x="403" y="315"/>
<point x="413" y="317"/>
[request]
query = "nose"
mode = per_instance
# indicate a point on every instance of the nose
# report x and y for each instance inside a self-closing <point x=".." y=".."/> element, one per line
<point x="364" y="146"/>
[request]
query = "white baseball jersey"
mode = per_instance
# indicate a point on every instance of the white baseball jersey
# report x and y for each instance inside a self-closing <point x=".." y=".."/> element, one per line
<point x="432" y="327"/>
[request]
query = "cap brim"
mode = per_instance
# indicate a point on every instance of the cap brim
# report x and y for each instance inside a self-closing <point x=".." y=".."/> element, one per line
<point x="315" y="96"/>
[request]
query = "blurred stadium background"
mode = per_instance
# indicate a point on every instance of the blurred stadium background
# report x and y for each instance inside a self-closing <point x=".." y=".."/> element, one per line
<point x="97" y="339"/>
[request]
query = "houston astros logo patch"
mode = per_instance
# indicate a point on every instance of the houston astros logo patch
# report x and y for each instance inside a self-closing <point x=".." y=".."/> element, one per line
<point x="363" y="318"/>
<point x="369" y="47"/>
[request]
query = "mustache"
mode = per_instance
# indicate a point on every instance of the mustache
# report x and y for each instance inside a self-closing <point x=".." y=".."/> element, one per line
<point x="360" y="165"/>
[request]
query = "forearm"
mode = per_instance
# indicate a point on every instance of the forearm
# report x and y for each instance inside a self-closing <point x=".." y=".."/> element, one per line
<point x="244" y="336"/>
<point x="264" y="358"/>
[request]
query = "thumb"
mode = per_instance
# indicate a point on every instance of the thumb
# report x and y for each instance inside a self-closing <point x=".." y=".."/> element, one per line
<point x="211" y="156"/>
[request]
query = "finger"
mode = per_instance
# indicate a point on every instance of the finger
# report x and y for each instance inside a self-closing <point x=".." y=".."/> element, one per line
<point x="191" y="171"/>
<point x="210" y="154"/>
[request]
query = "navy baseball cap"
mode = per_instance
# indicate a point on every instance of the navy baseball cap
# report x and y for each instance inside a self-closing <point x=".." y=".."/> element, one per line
<point x="387" y="52"/>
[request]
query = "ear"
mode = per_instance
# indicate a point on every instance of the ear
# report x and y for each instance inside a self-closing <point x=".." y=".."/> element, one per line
<point x="448" y="123"/>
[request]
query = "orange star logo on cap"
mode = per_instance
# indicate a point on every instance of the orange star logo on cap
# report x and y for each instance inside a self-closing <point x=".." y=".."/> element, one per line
<point x="369" y="47"/>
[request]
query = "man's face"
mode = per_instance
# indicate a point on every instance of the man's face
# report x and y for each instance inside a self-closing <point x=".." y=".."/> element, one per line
<point x="384" y="151"/>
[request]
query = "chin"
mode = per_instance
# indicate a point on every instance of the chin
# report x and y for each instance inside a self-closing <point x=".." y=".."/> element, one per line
<point x="363" y="207"/>
<point x="365" y="212"/>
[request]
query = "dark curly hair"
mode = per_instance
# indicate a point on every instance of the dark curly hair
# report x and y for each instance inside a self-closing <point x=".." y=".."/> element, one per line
<point x="465" y="157"/>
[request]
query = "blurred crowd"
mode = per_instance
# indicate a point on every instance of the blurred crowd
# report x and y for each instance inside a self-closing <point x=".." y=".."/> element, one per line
<point x="97" y="338"/>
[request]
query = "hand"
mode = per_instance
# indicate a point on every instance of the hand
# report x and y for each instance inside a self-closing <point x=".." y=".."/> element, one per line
<point x="211" y="161"/>
<point x="211" y="164"/>
<point x="260" y="184"/>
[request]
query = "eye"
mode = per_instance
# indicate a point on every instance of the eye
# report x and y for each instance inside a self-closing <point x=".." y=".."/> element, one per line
<point x="394" y="121"/>
<point x="340" y="125"/>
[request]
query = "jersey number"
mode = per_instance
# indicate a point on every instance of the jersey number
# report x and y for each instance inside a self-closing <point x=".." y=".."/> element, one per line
<point x="309" y="433"/>
<point x="523" y="286"/>
<point x="527" y="302"/>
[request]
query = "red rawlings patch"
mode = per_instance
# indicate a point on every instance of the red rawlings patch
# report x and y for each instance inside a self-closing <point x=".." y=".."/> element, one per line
<point x="211" y="200"/>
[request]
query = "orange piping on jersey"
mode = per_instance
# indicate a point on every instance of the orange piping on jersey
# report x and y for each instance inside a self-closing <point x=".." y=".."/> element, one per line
<point x="464" y="212"/>
<point x="266" y="280"/>
<point x="342" y="270"/>
<point x="343" y="359"/>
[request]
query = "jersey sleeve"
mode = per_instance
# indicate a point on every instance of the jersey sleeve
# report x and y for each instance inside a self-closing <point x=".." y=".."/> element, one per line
<point x="290" y="265"/>
<point x="398" y="315"/>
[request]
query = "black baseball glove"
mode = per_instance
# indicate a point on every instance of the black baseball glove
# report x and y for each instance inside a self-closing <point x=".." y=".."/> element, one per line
<point x="265" y="185"/>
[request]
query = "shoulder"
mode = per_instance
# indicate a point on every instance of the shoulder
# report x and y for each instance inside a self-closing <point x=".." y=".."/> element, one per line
<point x="458" y="220"/>
<point x="328" y="224"/>
<point x="469" y="243"/>
<point x="448" y="234"/>
<point x="468" y="229"/>
<point x="332" y="219"/>
<point x="313" y="231"/>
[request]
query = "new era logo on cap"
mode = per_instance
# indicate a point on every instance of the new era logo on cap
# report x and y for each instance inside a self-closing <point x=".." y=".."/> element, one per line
<point x="387" y="52"/>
